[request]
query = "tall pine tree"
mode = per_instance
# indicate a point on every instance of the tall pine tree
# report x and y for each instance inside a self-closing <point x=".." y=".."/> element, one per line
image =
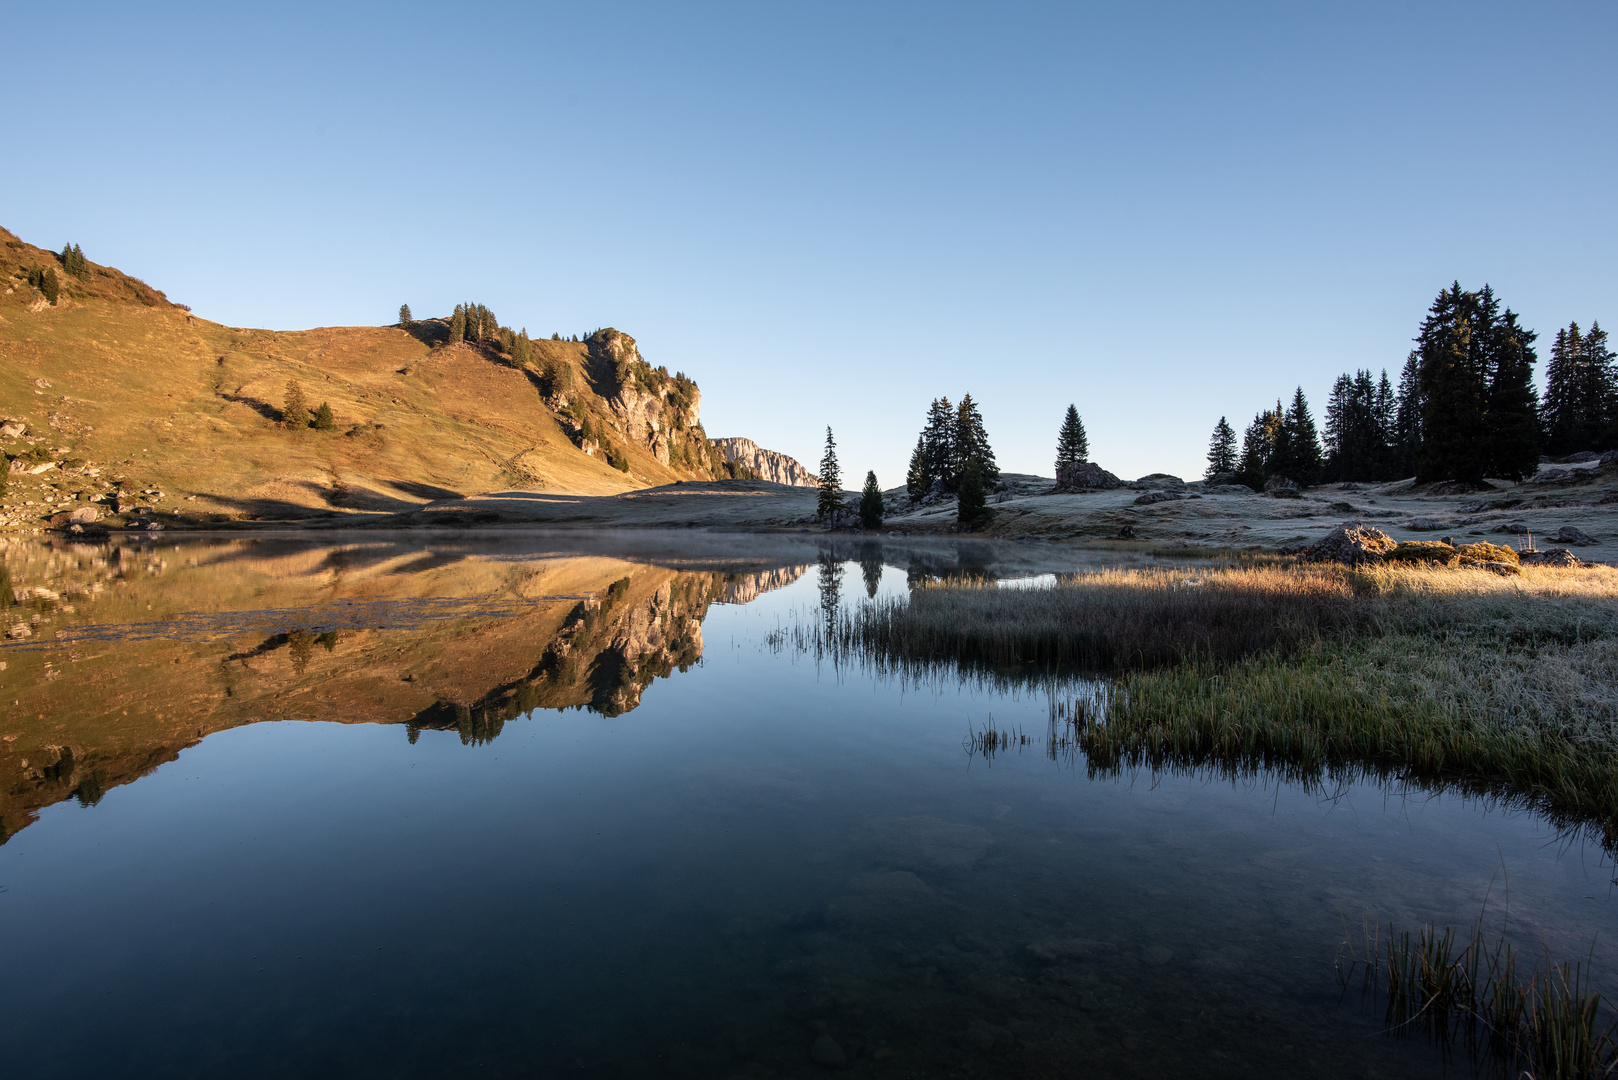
<point x="1406" y="442"/>
<point x="1222" y="459"/>
<point x="1296" y="454"/>
<point x="939" y="438"/>
<point x="1072" y="444"/>
<point x="829" y="504"/>
<point x="1511" y="425"/>
<point x="295" y="408"/>
<point x="972" y="443"/>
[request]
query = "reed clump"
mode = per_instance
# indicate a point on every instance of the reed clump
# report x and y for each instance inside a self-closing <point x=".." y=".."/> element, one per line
<point x="1542" y="1021"/>
<point x="1505" y="687"/>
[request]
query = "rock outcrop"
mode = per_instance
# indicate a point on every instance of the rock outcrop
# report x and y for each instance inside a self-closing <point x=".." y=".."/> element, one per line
<point x="765" y="464"/>
<point x="649" y="406"/>
<point x="1352" y="542"/>
<point x="1086" y="476"/>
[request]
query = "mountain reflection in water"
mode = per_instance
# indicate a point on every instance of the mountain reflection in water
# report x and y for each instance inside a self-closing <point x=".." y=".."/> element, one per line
<point x="771" y="866"/>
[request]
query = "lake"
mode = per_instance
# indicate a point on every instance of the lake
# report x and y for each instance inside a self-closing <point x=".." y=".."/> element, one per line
<point x="515" y="806"/>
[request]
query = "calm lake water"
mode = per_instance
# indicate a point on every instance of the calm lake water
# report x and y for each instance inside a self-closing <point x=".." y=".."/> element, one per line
<point x="568" y="806"/>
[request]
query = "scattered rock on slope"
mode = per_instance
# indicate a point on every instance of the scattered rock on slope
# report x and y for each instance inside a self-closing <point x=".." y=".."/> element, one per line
<point x="1352" y="542"/>
<point x="1085" y="476"/>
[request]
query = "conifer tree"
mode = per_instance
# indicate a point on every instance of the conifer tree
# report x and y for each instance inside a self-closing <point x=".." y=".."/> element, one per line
<point x="1406" y="441"/>
<point x="1257" y="443"/>
<point x="73" y="261"/>
<point x="1452" y="390"/>
<point x="1581" y="392"/>
<point x="522" y="351"/>
<point x="324" y="420"/>
<point x="1562" y="415"/>
<point x="919" y="478"/>
<point x="972" y="442"/>
<point x="50" y="285"/>
<point x="1385" y="408"/>
<point x="1511" y="423"/>
<point x="1072" y="444"/>
<point x="404" y="315"/>
<point x="939" y="437"/>
<point x="1221" y="451"/>
<point x="1301" y="443"/>
<point x="295" y="409"/>
<point x="971" y="505"/>
<point x="829" y="504"/>
<point x="457" y="325"/>
<point x="871" y="503"/>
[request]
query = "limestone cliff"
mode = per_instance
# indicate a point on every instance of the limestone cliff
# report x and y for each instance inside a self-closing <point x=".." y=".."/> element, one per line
<point x="767" y="464"/>
<point x="649" y="407"/>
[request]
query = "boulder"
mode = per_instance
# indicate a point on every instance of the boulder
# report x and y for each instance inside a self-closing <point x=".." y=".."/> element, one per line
<point x="1423" y="524"/>
<point x="1459" y="487"/>
<point x="1158" y="481"/>
<point x="1517" y="527"/>
<point x="1156" y="497"/>
<point x="13" y="429"/>
<point x="1281" y="483"/>
<point x="1580" y="458"/>
<point x="1086" y="476"/>
<point x="1567" y="534"/>
<point x="1219" y="479"/>
<point x="1352" y="542"/>
<point x="1607" y="459"/>
<point x="1549" y="557"/>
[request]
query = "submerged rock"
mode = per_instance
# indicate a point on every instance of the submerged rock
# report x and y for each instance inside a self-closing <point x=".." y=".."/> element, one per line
<point x="825" y="1051"/>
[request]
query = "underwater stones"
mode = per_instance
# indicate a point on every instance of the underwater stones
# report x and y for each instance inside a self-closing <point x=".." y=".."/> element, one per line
<point x="924" y="840"/>
<point x="1157" y="955"/>
<point x="825" y="1051"/>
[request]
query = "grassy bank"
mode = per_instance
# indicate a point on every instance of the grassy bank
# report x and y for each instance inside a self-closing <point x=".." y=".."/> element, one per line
<point x="1505" y="687"/>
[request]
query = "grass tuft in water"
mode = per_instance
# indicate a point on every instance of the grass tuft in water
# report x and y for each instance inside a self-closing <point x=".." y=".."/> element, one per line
<point x="1544" y="1023"/>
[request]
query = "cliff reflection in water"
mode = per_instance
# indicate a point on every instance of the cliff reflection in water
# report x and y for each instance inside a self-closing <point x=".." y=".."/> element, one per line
<point x="127" y="654"/>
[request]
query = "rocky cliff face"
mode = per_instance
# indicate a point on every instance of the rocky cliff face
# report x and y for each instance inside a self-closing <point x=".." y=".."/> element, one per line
<point x="649" y="406"/>
<point x="768" y="464"/>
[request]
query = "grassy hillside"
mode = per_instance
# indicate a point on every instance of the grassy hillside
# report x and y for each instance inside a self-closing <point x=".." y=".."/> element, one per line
<point x="128" y="393"/>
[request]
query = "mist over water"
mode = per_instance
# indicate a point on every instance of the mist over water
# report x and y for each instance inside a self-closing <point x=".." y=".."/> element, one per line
<point x="568" y="805"/>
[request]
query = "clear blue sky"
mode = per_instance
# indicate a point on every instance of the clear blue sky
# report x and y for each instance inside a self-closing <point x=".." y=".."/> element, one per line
<point x="831" y="213"/>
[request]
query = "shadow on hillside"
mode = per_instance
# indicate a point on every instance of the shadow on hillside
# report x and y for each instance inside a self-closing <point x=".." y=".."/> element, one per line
<point x="263" y="408"/>
<point x="423" y="491"/>
<point x="264" y="509"/>
<point x="429" y="332"/>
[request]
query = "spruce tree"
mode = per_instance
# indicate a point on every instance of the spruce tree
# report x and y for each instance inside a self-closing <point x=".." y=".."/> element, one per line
<point x="1339" y="431"/>
<point x="972" y="442"/>
<point x="1511" y="425"/>
<point x="1385" y="409"/>
<point x="919" y="478"/>
<point x="1562" y="416"/>
<point x="324" y="420"/>
<point x="1602" y="361"/>
<point x="295" y="409"/>
<point x="1072" y="444"/>
<point x="1301" y="442"/>
<point x="1406" y="441"/>
<point x="1257" y="444"/>
<point x="829" y="504"/>
<point x="971" y="505"/>
<point x="1453" y="391"/>
<point x="939" y="437"/>
<point x="457" y="325"/>
<point x="404" y="316"/>
<point x="522" y="350"/>
<point x="1222" y="457"/>
<point x="50" y="285"/>
<point x="871" y="503"/>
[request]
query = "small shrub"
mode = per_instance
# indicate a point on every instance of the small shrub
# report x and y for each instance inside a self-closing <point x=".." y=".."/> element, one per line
<point x="1422" y="551"/>
<point x="1481" y="552"/>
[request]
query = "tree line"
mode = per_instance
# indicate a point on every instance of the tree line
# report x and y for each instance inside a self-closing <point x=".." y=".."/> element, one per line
<point x="1465" y="407"/>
